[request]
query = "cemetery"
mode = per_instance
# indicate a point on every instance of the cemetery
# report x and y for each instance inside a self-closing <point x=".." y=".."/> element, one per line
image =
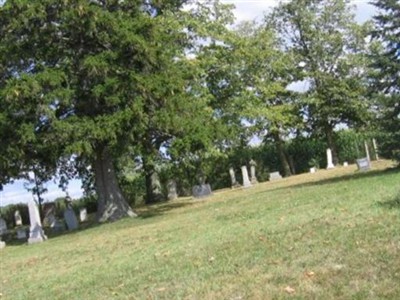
<point x="312" y="234"/>
<point x="199" y="149"/>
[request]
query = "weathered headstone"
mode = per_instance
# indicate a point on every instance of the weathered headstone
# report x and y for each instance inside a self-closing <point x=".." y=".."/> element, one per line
<point x="274" y="176"/>
<point x="172" y="190"/>
<point x="345" y="164"/>
<point x="245" y="176"/>
<point x="232" y="174"/>
<point x="83" y="214"/>
<point x="58" y="226"/>
<point x="367" y="150"/>
<point x="253" y="178"/>
<point x="312" y="170"/>
<point x="3" y="226"/>
<point x="70" y="219"/>
<point x="2" y="244"/>
<point x="36" y="234"/>
<point x="21" y="234"/>
<point x="202" y="190"/>
<point x="363" y="164"/>
<point x="17" y="218"/>
<point x="330" y="164"/>
<point x="49" y="215"/>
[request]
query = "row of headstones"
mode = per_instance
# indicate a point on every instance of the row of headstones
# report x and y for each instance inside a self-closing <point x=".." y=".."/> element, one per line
<point x="248" y="182"/>
<point x="363" y="164"/>
<point x="204" y="190"/>
<point x="36" y="233"/>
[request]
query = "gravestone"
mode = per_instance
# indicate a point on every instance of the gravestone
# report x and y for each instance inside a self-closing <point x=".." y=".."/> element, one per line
<point x="83" y="214"/>
<point x="36" y="234"/>
<point x="367" y="150"/>
<point x="202" y="190"/>
<point x="234" y="182"/>
<point x="253" y="178"/>
<point x="313" y="170"/>
<point x="21" y="234"/>
<point x="70" y="219"/>
<point x="58" y="226"/>
<point x="2" y="244"/>
<point x="245" y="176"/>
<point x="330" y="164"/>
<point x="49" y="215"/>
<point x="274" y="176"/>
<point x="3" y="226"/>
<point x="345" y="164"/>
<point x="172" y="190"/>
<point x="17" y="218"/>
<point x="363" y="164"/>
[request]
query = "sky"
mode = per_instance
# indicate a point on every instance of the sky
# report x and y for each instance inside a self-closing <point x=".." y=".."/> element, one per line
<point x="245" y="10"/>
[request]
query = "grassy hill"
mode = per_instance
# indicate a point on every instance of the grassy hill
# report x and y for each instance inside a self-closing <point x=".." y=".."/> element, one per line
<point x="330" y="235"/>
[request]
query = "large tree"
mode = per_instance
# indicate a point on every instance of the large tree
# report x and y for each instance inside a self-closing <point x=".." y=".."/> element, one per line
<point x="92" y="77"/>
<point x="386" y="75"/>
<point x="330" y="46"/>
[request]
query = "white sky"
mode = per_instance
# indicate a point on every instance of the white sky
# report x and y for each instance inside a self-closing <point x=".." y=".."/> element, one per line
<point x="245" y="10"/>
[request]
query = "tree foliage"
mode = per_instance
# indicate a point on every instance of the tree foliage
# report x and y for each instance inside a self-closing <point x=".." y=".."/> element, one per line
<point x="330" y="47"/>
<point x="91" y="78"/>
<point x="386" y="75"/>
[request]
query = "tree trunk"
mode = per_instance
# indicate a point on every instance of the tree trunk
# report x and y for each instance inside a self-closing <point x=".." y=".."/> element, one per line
<point x="282" y="155"/>
<point x="331" y="144"/>
<point x="111" y="204"/>
<point x="153" y="192"/>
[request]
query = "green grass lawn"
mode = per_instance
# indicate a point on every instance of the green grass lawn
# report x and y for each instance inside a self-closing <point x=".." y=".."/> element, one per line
<point x="330" y="235"/>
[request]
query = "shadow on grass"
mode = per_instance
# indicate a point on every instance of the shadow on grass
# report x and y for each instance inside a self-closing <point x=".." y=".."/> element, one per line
<point x="391" y="203"/>
<point x="355" y="176"/>
<point x="159" y="209"/>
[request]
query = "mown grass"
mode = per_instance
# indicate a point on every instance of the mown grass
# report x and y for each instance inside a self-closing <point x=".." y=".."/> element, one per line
<point x="330" y="235"/>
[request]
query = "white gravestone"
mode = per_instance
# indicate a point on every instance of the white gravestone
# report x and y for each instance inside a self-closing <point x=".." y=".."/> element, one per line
<point x="2" y="244"/>
<point x="345" y="164"/>
<point x="312" y="170"/>
<point x="83" y="214"/>
<point x="253" y="177"/>
<point x="245" y="176"/>
<point x="233" y="178"/>
<point x="274" y="176"/>
<point x="70" y="219"/>
<point x="367" y="150"/>
<point x="330" y="164"/>
<point x="3" y="226"/>
<point x="17" y="218"/>
<point x="172" y="190"/>
<point x="36" y="234"/>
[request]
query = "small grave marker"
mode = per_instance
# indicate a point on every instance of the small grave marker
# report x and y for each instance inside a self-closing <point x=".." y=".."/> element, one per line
<point x="202" y="190"/>
<point x="363" y="164"/>
<point x="274" y="176"/>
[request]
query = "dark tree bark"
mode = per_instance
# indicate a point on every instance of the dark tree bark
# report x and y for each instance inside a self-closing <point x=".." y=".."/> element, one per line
<point x="153" y="192"/>
<point x="282" y="155"/>
<point x="111" y="204"/>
